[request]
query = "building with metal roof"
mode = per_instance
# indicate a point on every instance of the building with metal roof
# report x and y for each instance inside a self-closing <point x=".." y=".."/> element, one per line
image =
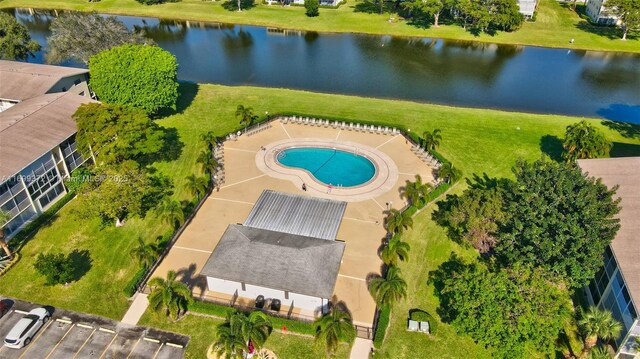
<point x="37" y="136"/>
<point x="616" y="286"/>
<point x="272" y="255"/>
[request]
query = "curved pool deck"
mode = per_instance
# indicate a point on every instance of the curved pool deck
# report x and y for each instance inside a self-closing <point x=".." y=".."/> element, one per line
<point x="384" y="179"/>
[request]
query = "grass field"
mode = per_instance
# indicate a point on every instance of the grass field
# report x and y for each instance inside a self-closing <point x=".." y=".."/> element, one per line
<point x="556" y="23"/>
<point x="476" y="141"/>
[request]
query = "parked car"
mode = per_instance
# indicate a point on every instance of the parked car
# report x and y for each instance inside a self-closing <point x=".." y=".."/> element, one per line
<point x="4" y="308"/>
<point x="26" y="328"/>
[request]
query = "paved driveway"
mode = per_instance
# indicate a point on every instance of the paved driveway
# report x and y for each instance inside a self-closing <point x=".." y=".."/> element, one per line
<point x="71" y="335"/>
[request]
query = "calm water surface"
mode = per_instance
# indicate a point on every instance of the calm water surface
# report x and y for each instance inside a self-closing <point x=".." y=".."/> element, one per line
<point x="521" y="78"/>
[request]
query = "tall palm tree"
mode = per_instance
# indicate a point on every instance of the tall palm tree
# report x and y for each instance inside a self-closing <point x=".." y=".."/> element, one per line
<point x="144" y="253"/>
<point x="397" y="221"/>
<point x="170" y="212"/>
<point x="197" y="186"/>
<point x="597" y="323"/>
<point x="333" y="328"/>
<point x="209" y="139"/>
<point x="414" y="191"/>
<point x="4" y="218"/>
<point x="246" y="116"/>
<point x="396" y="250"/>
<point x="390" y="289"/>
<point x="448" y="172"/>
<point x="206" y="160"/>
<point x="169" y="295"/>
<point x="432" y="139"/>
<point x="581" y="140"/>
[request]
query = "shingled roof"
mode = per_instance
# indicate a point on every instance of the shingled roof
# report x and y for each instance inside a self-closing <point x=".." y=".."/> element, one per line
<point x="277" y="260"/>
<point x="625" y="173"/>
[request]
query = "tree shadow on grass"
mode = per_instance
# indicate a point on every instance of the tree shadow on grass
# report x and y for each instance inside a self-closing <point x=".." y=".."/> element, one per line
<point x="624" y="115"/>
<point x="624" y="150"/>
<point x="187" y="92"/>
<point x="437" y="277"/>
<point x="370" y="7"/>
<point x="232" y="5"/>
<point x="552" y="147"/>
<point x="81" y="262"/>
<point x="610" y="32"/>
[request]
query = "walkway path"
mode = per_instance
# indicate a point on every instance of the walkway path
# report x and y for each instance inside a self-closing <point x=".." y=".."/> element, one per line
<point x="361" y="349"/>
<point x="137" y="308"/>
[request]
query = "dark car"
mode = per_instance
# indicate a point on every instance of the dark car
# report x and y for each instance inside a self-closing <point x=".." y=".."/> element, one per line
<point x="4" y="308"/>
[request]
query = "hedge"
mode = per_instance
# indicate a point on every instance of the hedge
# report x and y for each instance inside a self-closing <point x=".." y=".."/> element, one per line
<point x="381" y="327"/>
<point x="132" y="286"/>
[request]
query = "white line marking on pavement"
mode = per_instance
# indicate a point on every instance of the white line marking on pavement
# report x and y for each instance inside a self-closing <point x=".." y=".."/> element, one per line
<point x="230" y="200"/>
<point x="361" y="220"/>
<point x="387" y="141"/>
<point x="84" y="326"/>
<point x="285" y="130"/>
<point x="63" y="321"/>
<point x="151" y="340"/>
<point x="158" y="351"/>
<point x="406" y="174"/>
<point x="379" y="205"/>
<point x="240" y="149"/>
<point x="134" y="347"/>
<point x="350" y="277"/>
<point x="85" y="342"/>
<point x="108" y="345"/>
<point x="107" y="330"/>
<point x="243" y="181"/>
<point x="193" y="249"/>
<point x="174" y="345"/>
<point x="42" y="330"/>
<point x="338" y="135"/>
<point x="59" y="341"/>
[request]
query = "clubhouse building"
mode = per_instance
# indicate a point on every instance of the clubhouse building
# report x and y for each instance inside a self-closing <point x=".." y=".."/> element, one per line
<point x="37" y="136"/>
<point x="616" y="287"/>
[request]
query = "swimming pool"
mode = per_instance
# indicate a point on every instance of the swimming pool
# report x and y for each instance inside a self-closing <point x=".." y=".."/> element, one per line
<point x="329" y="166"/>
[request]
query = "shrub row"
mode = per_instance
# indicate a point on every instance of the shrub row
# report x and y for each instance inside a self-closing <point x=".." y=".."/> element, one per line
<point x="381" y="328"/>
<point x="132" y="285"/>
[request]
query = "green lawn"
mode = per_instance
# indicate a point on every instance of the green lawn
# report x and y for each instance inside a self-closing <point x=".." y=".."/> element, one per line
<point x="202" y="329"/>
<point x="476" y="141"/>
<point x="555" y="25"/>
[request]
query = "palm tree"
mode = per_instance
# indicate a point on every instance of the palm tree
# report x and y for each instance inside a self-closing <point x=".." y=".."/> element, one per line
<point x="431" y="140"/>
<point x="414" y="191"/>
<point x="387" y="291"/>
<point x="256" y="328"/>
<point x="206" y="160"/>
<point x="170" y="212"/>
<point x="333" y="328"/>
<point x="597" y="323"/>
<point x="396" y="250"/>
<point x="397" y="221"/>
<point x="144" y="253"/>
<point x="448" y="172"/>
<point x="209" y="139"/>
<point x="600" y="352"/>
<point x="246" y="116"/>
<point x="4" y="218"/>
<point x="238" y="330"/>
<point x="581" y="140"/>
<point x="169" y="295"/>
<point x="197" y="186"/>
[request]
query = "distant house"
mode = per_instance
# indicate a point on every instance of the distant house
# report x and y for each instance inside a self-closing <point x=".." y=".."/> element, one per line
<point x="527" y="7"/>
<point x="598" y="13"/>
<point x="616" y="287"/>
<point x="285" y="251"/>
<point x="37" y="136"/>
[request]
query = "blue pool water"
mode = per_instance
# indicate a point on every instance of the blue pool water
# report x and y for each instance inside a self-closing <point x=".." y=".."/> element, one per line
<point x="329" y="166"/>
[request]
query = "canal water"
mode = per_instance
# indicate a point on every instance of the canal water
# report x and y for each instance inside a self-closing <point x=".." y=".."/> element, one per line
<point x="471" y="74"/>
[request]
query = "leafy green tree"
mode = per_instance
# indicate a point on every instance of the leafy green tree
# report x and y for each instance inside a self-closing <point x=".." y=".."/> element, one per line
<point x="155" y="2"/>
<point x="558" y="220"/>
<point x="79" y="178"/>
<point x="396" y="250"/>
<point x="397" y="221"/>
<point x="78" y="36"/>
<point x="431" y="140"/>
<point x="628" y="12"/>
<point x="489" y="15"/>
<point x="475" y="216"/>
<point x="509" y="310"/>
<point x="432" y="8"/>
<point x="206" y="160"/>
<point x="4" y="218"/>
<point x="581" y="140"/>
<point x="169" y="296"/>
<point x="416" y="191"/>
<point x="197" y="186"/>
<point x="597" y="323"/>
<point x="144" y="253"/>
<point x="140" y="76"/>
<point x="15" y="40"/>
<point x="449" y="173"/>
<point x="55" y="267"/>
<point x="170" y="212"/>
<point x="116" y="134"/>
<point x="121" y="192"/>
<point x="312" y="8"/>
<point x="246" y="116"/>
<point x="333" y="328"/>
<point x="390" y="289"/>
<point x="234" y="334"/>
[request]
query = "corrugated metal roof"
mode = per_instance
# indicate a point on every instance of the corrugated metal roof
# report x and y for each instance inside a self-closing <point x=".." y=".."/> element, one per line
<point x="276" y="260"/>
<point x="300" y="215"/>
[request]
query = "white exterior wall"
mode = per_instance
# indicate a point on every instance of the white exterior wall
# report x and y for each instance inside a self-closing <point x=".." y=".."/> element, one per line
<point x="598" y="14"/>
<point x="250" y="291"/>
<point x="68" y="84"/>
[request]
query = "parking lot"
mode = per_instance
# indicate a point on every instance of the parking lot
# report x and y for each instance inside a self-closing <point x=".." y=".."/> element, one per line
<point x="70" y="335"/>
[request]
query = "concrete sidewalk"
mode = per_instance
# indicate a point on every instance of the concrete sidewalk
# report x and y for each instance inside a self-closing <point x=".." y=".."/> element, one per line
<point x="137" y="308"/>
<point x="361" y="349"/>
